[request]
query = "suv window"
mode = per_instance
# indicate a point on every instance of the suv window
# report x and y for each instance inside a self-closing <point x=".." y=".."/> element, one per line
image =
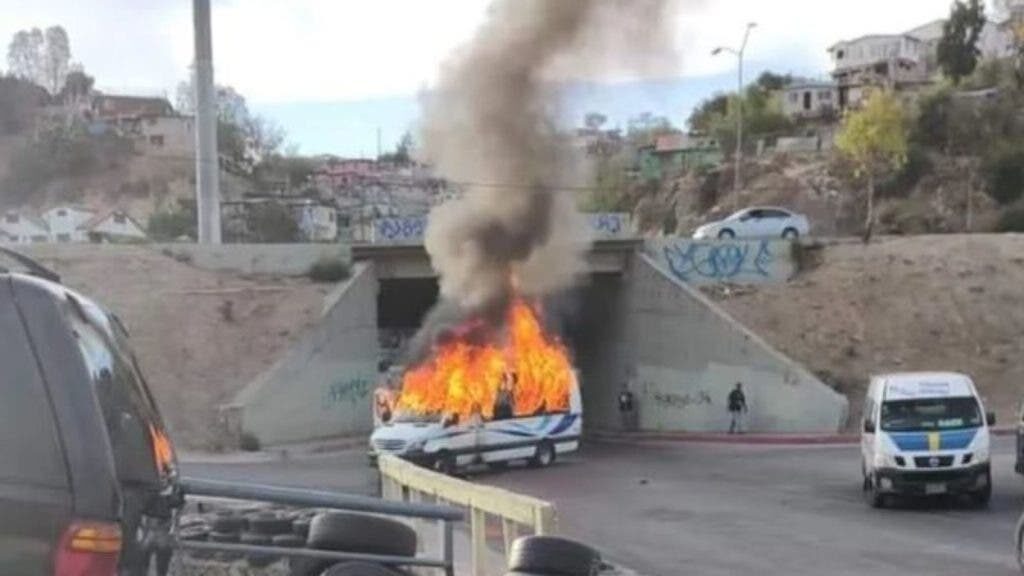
<point x="30" y="451"/>
<point x="771" y="213"/>
<point x="128" y="410"/>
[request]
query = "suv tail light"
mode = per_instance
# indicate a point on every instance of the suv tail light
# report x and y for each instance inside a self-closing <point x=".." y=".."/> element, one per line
<point x="89" y="549"/>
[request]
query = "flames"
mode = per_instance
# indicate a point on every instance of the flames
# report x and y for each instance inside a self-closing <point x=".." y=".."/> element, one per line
<point x="463" y="375"/>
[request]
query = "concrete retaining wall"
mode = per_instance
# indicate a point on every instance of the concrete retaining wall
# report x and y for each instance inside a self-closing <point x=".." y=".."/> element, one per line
<point x="685" y="355"/>
<point x="724" y="261"/>
<point x="271" y="259"/>
<point x="324" y="384"/>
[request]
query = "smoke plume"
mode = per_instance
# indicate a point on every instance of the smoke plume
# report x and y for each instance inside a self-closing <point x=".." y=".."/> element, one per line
<point x="490" y="127"/>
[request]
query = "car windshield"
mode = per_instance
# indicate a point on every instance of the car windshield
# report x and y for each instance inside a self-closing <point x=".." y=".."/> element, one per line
<point x="930" y="414"/>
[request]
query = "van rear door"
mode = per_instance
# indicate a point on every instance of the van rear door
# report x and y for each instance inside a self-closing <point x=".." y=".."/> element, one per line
<point x="35" y="493"/>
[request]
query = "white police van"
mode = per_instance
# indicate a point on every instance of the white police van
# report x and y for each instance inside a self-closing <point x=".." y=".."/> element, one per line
<point x="925" y="433"/>
<point x="446" y="444"/>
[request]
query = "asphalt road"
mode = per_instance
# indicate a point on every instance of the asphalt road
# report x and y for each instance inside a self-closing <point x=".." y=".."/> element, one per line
<point x="679" y="509"/>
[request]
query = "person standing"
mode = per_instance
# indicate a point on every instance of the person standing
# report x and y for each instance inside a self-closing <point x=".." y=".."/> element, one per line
<point x="737" y="408"/>
<point x="627" y="405"/>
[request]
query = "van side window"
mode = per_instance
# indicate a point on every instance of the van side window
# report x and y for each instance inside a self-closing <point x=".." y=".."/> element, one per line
<point x="25" y="411"/>
<point x="869" y="410"/>
<point x="125" y="410"/>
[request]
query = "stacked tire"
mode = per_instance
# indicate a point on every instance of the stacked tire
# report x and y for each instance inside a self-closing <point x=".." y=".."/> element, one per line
<point x="552" y="556"/>
<point x="354" y="533"/>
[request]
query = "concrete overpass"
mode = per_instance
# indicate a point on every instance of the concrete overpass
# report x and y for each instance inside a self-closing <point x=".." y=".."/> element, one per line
<point x="639" y="317"/>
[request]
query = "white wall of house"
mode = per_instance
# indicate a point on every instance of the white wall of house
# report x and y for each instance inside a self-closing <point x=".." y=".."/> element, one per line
<point x="24" y="230"/>
<point x="118" y="224"/>
<point x="870" y="50"/>
<point x="65" y="223"/>
<point x="810" y="100"/>
<point x="318" y="223"/>
<point x="168" y="135"/>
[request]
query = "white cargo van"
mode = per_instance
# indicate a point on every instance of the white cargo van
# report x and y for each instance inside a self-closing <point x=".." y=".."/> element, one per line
<point x="447" y="444"/>
<point x="925" y="433"/>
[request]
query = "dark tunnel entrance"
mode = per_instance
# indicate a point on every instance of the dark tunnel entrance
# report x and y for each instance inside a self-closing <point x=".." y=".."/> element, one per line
<point x="588" y="319"/>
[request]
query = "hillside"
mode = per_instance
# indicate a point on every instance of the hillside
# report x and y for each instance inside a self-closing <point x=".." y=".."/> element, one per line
<point x="194" y="354"/>
<point x="916" y="303"/>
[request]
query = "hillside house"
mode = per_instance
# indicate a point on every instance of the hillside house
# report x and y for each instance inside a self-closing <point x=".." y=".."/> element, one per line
<point x="116" y="107"/>
<point x="888" y="61"/>
<point x="65" y="223"/>
<point x="114" y="226"/>
<point x="674" y="154"/>
<point x="996" y="41"/>
<point x="809" y="99"/>
<point x="24" y="229"/>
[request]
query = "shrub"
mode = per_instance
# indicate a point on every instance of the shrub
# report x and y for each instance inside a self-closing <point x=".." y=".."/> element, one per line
<point x="900" y="184"/>
<point x="172" y="224"/>
<point x="1003" y="171"/>
<point x="1011" y="220"/>
<point x="329" y="270"/>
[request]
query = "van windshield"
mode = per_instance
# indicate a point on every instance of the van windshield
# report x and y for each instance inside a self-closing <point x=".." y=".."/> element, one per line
<point x="930" y="414"/>
<point x="409" y="417"/>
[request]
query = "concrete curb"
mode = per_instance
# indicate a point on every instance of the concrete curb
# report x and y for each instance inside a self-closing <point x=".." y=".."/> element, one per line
<point x="754" y="439"/>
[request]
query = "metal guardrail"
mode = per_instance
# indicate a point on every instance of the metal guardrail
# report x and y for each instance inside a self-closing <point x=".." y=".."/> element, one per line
<point x="446" y="515"/>
<point x="404" y="481"/>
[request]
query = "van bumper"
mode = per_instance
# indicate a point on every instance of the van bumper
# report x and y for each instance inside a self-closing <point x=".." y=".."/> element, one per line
<point x="418" y="457"/>
<point x="926" y="482"/>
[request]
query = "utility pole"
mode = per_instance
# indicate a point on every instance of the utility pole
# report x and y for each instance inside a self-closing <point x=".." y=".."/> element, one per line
<point x="737" y="182"/>
<point x="207" y="161"/>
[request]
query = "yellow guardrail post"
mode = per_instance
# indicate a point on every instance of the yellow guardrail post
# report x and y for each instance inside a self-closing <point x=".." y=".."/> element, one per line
<point x="511" y="508"/>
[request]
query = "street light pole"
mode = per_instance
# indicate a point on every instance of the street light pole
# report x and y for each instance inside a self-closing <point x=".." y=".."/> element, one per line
<point x="737" y="183"/>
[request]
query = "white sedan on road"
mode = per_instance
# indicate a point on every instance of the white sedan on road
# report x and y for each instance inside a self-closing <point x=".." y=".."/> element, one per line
<point x="757" y="222"/>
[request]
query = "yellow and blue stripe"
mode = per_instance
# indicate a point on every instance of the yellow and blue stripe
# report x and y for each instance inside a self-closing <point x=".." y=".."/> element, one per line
<point x="933" y="441"/>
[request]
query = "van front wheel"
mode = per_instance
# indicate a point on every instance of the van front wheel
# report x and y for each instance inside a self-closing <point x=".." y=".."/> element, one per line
<point x="545" y="455"/>
<point x="982" y="497"/>
<point x="872" y="495"/>
<point x="444" y="463"/>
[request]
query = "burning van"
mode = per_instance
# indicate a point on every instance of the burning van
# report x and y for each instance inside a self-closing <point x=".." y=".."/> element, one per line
<point x="488" y="402"/>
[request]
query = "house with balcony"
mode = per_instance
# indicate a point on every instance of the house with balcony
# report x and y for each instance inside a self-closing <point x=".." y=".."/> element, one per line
<point x="115" y="226"/>
<point x="877" y="61"/>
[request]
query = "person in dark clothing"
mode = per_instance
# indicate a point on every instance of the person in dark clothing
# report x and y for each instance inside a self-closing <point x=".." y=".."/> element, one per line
<point x="504" y="404"/>
<point x="627" y="408"/>
<point x="737" y="408"/>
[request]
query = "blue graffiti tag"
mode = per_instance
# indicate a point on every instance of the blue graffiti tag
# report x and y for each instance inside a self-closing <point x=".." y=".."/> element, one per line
<point x="350" y="390"/>
<point x="391" y="229"/>
<point x="609" y="223"/>
<point x="718" y="260"/>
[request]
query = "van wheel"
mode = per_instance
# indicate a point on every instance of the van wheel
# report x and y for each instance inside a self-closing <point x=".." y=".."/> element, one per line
<point x="545" y="455"/>
<point x="790" y="234"/>
<point x="872" y="495"/>
<point x="1020" y="543"/>
<point x="444" y="463"/>
<point x="981" y="497"/>
<point x="726" y="234"/>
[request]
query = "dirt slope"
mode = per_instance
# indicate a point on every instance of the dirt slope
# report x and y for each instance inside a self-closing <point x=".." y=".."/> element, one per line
<point x="915" y="303"/>
<point x="193" y="355"/>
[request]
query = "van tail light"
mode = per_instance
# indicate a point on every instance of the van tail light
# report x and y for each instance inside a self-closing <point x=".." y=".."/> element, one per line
<point x="88" y="549"/>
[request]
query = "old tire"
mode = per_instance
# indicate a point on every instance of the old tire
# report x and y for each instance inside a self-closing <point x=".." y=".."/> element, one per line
<point x="360" y="569"/>
<point x="361" y="533"/>
<point x="288" y="541"/>
<point x="1020" y="543"/>
<point x="269" y="524"/>
<point x="553" y="556"/>
<point x="300" y="527"/>
<point x="790" y="234"/>
<point x="726" y="234"/>
<point x="224" y="537"/>
<point x="544" y="456"/>
<point x="227" y="523"/>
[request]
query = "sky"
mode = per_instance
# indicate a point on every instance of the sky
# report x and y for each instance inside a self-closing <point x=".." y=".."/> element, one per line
<point x="335" y="73"/>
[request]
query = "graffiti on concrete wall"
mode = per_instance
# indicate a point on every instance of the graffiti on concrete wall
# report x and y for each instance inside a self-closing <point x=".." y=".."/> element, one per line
<point x="610" y="224"/>
<point x="350" y="390"/>
<point x="735" y="261"/>
<point x="682" y="401"/>
<point x="399" y="230"/>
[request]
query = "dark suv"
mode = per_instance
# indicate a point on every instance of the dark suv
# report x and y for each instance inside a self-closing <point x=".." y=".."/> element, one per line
<point x="87" y="473"/>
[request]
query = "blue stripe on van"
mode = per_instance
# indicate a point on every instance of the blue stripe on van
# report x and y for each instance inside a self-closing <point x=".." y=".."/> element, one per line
<point x="948" y="440"/>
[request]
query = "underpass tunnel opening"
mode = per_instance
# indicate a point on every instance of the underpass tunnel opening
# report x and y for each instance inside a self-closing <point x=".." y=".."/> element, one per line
<point x="402" y="304"/>
<point x="588" y="319"/>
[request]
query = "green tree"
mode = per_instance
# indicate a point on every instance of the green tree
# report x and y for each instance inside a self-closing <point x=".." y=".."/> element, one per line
<point x="643" y="129"/>
<point x="179" y="221"/>
<point x="707" y="112"/>
<point x="958" y="49"/>
<point x="874" y="140"/>
<point x="773" y="82"/>
<point x="402" y="154"/>
<point x="41" y="57"/>
<point x="762" y="118"/>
